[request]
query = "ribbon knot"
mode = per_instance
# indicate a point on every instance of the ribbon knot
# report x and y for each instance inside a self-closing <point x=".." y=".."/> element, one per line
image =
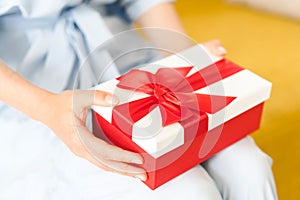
<point x="162" y="93"/>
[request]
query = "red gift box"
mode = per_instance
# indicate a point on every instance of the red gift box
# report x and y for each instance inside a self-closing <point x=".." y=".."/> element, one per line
<point x="203" y="108"/>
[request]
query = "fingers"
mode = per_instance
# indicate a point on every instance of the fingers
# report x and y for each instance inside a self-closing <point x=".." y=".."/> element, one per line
<point x="129" y="170"/>
<point x="119" y="154"/>
<point x="215" y="47"/>
<point x="94" y="97"/>
<point x="115" y="160"/>
<point x="109" y="157"/>
<point x="109" y="152"/>
<point x="119" y="167"/>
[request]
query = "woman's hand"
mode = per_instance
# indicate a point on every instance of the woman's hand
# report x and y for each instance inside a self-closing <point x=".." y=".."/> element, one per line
<point x="67" y="113"/>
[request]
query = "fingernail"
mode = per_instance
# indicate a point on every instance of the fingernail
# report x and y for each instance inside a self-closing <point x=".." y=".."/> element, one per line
<point x="137" y="161"/>
<point x="142" y="177"/>
<point x="222" y="50"/>
<point x="111" y="100"/>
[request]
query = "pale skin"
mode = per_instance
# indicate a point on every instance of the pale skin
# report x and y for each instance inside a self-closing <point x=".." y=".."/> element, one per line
<point x="65" y="119"/>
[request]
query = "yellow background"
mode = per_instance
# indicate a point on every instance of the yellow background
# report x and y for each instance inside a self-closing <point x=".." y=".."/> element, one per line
<point x="268" y="45"/>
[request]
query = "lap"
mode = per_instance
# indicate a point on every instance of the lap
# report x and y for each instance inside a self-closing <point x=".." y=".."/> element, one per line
<point x="39" y="166"/>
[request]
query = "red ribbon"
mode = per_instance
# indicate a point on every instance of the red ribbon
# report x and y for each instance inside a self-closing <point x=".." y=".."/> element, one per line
<point x="172" y="92"/>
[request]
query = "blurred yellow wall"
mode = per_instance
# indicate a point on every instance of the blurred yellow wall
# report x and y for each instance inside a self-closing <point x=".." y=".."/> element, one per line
<point x="269" y="45"/>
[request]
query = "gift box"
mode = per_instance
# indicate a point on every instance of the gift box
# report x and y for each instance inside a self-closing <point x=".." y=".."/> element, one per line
<point x="181" y="110"/>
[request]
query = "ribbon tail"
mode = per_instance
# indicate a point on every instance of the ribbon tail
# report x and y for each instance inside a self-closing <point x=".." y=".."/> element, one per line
<point x="207" y="103"/>
<point x="125" y="115"/>
<point x="213" y="103"/>
<point x="169" y="114"/>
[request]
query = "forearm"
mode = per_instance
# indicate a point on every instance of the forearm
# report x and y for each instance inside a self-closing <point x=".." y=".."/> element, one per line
<point x="21" y="94"/>
<point x="164" y="16"/>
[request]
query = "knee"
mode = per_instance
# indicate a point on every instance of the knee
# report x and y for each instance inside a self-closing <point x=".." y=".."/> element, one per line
<point x="252" y="165"/>
<point x="243" y="171"/>
<point x="252" y="168"/>
<point x="193" y="185"/>
<point x="252" y="179"/>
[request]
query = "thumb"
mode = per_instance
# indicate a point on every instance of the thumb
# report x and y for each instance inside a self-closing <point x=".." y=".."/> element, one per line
<point x="102" y="98"/>
<point x="94" y="97"/>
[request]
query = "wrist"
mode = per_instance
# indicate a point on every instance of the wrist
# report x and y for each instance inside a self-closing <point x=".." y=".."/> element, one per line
<point x="44" y="108"/>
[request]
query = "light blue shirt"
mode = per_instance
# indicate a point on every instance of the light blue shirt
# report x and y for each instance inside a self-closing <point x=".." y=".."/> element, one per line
<point x="47" y="41"/>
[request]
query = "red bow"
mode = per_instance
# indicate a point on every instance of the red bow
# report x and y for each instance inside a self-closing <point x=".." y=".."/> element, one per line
<point x="172" y="92"/>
